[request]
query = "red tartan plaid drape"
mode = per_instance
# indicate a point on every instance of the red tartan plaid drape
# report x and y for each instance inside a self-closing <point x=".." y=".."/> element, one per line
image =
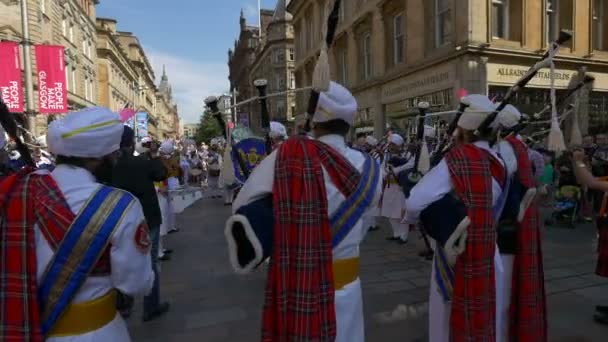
<point x="26" y="200"/>
<point x="528" y="301"/>
<point x="299" y="303"/>
<point x="473" y="313"/>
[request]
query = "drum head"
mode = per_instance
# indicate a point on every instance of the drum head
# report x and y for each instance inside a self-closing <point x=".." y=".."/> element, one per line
<point x="196" y="172"/>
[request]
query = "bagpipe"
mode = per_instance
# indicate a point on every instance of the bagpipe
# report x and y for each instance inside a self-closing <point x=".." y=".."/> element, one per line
<point x="446" y="220"/>
<point x="8" y="122"/>
<point x="410" y="177"/>
<point x="250" y="231"/>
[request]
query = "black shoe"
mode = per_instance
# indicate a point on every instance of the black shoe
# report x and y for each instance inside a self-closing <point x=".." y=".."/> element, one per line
<point x="162" y="309"/>
<point x="373" y="229"/>
<point x="165" y="257"/>
<point x="402" y="242"/>
<point x="167" y="251"/>
<point x="227" y="204"/>
<point x="174" y="230"/>
<point x="393" y="238"/>
<point x="601" y="318"/>
<point x="602" y="309"/>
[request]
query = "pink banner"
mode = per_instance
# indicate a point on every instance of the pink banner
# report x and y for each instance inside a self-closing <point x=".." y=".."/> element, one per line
<point x="52" y="88"/>
<point x="11" y="90"/>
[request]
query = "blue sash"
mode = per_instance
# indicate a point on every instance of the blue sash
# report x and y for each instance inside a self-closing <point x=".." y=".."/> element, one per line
<point x="81" y="248"/>
<point x="352" y="209"/>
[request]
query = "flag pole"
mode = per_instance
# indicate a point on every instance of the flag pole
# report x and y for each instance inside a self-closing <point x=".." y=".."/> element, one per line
<point x="29" y="84"/>
<point x="260" y="17"/>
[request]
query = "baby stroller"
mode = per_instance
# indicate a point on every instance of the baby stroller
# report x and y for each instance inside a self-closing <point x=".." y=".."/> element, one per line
<point x="567" y="205"/>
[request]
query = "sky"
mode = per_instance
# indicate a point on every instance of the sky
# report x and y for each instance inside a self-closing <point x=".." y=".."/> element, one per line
<point x="190" y="37"/>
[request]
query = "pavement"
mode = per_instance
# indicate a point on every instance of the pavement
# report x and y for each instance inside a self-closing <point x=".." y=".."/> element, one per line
<point x="209" y="303"/>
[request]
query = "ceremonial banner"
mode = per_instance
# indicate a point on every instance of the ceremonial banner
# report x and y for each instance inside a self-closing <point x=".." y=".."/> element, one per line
<point x="52" y="89"/>
<point x="251" y="151"/>
<point x="11" y="90"/>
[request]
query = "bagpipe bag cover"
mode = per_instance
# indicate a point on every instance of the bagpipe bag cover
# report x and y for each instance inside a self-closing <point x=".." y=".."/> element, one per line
<point x="260" y="217"/>
<point x="441" y="218"/>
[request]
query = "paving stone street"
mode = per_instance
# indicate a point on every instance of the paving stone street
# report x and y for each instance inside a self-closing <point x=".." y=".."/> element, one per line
<point x="210" y="303"/>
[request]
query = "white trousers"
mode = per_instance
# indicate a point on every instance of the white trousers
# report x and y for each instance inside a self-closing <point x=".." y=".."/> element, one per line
<point x="368" y="221"/>
<point x="400" y="230"/>
<point x="506" y="287"/>
<point x="228" y="195"/>
<point x="349" y="313"/>
<point x="439" y="311"/>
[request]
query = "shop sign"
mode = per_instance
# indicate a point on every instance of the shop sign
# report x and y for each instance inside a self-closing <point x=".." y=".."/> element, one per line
<point x="422" y="82"/>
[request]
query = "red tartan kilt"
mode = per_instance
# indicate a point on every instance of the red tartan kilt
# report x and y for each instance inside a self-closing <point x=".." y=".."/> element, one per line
<point x="602" y="248"/>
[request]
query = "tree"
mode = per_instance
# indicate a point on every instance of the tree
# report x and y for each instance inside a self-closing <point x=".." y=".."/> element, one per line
<point x="208" y="128"/>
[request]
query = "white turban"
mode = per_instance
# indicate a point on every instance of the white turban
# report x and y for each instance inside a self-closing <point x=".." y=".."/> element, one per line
<point x="336" y="103"/>
<point x="90" y="133"/>
<point x="508" y="117"/>
<point x="167" y="147"/>
<point x="371" y="141"/>
<point x="146" y="140"/>
<point x="41" y="140"/>
<point x="277" y="130"/>
<point x="478" y="110"/>
<point x="2" y="138"/>
<point x="395" y="139"/>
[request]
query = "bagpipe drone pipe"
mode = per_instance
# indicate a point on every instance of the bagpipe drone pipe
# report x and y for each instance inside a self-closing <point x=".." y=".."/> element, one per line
<point x="410" y="177"/>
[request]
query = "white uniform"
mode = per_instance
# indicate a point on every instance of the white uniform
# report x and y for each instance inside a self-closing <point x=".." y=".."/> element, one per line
<point x="507" y="153"/>
<point x="131" y="269"/>
<point x="432" y="187"/>
<point x="348" y="301"/>
<point x="394" y="203"/>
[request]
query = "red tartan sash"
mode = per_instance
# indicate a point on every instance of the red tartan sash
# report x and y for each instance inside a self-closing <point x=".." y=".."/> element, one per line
<point x="473" y="316"/>
<point x="297" y="310"/>
<point x="528" y="300"/>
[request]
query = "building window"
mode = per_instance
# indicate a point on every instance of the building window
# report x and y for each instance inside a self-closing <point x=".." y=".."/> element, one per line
<point x="309" y="33"/>
<point x="598" y="25"/>
<point x="443" y="22"/>
<point x="292" y="54"/>
<point x="399" y="39"/>
<point x="366" y="56"/>
<point x="67" y="77"/>
<point x="292" y="80"/>
<point x="64" y="27"/>
<point x="43" y="6"/>
<point x="71" y="32"/>
<point x="500" y="18"/>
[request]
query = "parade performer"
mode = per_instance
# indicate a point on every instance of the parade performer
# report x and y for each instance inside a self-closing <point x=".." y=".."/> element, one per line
<point x="463" y="300"/>
<point x="214" y="162"/>
<point x="519" y="241"/>
<point x="370" y="217"/>
<point x="70" y="240"/>
<point x="586" y="178"/>
<point x="278" y="134"/>
<point x="322" y="188"/>
<point x="392" y="204"/>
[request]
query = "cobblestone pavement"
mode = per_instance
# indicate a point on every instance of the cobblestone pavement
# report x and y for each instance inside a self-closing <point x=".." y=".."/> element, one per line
<point x="210" y="303"/>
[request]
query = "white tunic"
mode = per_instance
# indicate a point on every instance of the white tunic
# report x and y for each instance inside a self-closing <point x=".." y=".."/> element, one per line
<point x="131" y="269"/>
<point x="348" y="301"/>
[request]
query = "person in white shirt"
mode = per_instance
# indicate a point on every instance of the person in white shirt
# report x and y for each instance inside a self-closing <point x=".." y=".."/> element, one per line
<point x="79" y="224"/>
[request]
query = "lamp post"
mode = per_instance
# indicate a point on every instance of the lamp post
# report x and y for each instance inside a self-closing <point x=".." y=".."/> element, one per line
<point x="29" y="84"/>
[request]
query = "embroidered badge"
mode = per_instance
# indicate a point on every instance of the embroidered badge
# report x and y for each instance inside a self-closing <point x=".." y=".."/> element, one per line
<point x="142" y="238"/>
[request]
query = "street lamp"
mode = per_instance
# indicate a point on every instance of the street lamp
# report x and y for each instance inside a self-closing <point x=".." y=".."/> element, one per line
<point x="29" y="83"/>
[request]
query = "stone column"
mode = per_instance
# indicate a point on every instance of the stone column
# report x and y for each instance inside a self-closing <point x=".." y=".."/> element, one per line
<point x="378" y="43"/>
<point x="379" y="114"/>
<point x="351" y="57"/>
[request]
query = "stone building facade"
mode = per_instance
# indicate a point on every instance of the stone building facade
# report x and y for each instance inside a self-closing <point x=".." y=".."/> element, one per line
<point x="117" y="78"/>
<point x="70" y="23"/>
<point x="394" y="53"/>
<point x="275" y="62"/>
<point x="240" y="59"/>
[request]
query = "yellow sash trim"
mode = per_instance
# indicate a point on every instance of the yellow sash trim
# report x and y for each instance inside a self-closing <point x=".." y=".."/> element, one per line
<point x="345" y="272"/>
<point x="89" y="128"/>
<point x="393" y="181"/>
<point x="83" y="318"/>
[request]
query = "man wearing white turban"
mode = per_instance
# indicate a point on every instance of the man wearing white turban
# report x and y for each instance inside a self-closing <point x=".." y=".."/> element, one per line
<point x="75" y="223"/>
